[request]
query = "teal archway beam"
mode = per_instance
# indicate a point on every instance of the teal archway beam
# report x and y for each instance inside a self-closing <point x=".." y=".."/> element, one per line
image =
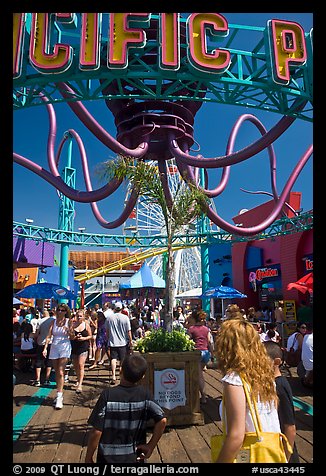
<point x="245" y="83"/>
<point x="284" y="226"/>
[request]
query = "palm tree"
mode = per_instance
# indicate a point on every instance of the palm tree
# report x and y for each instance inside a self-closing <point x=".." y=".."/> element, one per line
<point x="184" y="206"/>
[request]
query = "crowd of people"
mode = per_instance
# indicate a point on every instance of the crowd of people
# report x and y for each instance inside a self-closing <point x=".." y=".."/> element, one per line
<point x="246" y="346"/>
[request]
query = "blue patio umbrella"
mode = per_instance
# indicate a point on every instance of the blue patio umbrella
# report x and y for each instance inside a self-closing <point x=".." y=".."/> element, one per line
<point x="144" y="278"/>
<point x="46" y="291"/>
<point x="223" y="292"/>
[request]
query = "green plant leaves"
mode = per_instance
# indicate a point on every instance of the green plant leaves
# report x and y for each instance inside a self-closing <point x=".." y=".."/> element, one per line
<point x="161" y="340"/>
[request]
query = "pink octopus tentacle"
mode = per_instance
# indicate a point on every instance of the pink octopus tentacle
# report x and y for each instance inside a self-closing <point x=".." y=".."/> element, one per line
<point x="164" y="180"/>
<point x="122" y="218"/>
<point x="188" y="176"/>
<point x="90" y="122"/>
<point x="240" y="155"/>
<point x="219" y="189"/>
<point x="83" y="156"/>
<point x="53" y="161"/>
<point x="229" y="150"/>
<point x="59" y="184"/>
<point x="276" y="210"/>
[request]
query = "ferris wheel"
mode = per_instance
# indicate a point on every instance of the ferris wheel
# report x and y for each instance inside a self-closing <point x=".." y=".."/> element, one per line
<point x="147" y="219"/>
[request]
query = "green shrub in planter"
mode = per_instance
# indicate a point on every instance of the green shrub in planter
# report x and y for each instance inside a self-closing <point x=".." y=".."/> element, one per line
<point x="160" y="340"/>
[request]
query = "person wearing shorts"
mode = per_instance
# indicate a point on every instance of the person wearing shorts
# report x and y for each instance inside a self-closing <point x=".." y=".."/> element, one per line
<point x="60" y="332"/>
<point x="119" y="337"/>
<point x="201" y="335"/>
<point x="80" y="346"/>
<point x="41" y="361"/>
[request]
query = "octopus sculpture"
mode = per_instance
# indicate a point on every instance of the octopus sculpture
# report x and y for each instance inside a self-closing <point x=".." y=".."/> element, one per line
<point x="160" y="130"/>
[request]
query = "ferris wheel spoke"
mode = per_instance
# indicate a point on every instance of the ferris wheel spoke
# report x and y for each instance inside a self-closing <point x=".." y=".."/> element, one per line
<point x="149" y="220"/>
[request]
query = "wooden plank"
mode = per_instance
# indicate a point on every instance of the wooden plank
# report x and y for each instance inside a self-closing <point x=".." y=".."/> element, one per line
<point x="303" y="420"/>
<point x="155" y="457"/>
<point x="74" y="436"/>
<point x="33" y="433"/>
<point x="304" y="450"/>
<point x="171" y="448"/>
<point x="211" y="411"/>
<point x="209" y="430"/>
<point x="195" y="446"/>
<point x="61" y="435"/>
<point x="42" y="454"/>
<point x="68" y="451"/>
<point x="306" y="435"/>
<point x="22" y="392"/>
<point x="22" y="449"/>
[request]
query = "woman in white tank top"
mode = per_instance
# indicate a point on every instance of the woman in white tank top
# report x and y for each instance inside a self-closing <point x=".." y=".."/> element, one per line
<point x="60" y="332"/>
<point x="240" y="352"/>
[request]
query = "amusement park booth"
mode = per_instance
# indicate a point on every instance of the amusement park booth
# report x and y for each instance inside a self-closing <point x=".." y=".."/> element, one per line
<point x="145" y="286"/>
<point x="263" y="268"/>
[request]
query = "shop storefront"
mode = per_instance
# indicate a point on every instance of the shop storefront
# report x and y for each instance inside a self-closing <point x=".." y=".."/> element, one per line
<point x="266" y="282"/>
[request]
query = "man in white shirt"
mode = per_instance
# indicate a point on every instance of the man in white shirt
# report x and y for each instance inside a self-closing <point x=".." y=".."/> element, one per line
<point x="35" y="322"/>
<point x="307" y="356"/>
<point x="108" y="309"/>
<point x="118" y="329"/>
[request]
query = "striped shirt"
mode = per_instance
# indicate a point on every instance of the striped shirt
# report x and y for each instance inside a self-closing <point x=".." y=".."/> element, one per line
<point x="121" y="414"/>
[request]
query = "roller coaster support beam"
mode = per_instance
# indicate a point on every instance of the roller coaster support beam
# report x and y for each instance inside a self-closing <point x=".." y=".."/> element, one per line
<point x="283" y="226"/>
<point x="66" y="217"/>
<point x="203" y="228"/>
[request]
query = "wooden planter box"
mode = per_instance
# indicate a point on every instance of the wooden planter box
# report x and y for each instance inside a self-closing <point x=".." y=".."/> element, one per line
<point x="158" y="380"/>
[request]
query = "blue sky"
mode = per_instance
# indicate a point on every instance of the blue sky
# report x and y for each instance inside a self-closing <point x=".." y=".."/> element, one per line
<point x="34" y="198"/>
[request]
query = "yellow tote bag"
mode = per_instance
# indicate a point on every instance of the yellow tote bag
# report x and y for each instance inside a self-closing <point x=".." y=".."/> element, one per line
<point x="258" y="446"/>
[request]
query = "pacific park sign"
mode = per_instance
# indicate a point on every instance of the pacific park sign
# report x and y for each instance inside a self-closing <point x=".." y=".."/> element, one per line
<point x="126" y="34"/>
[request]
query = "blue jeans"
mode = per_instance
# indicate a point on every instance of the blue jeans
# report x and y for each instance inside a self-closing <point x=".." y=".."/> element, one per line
<point x="205" y="356"/>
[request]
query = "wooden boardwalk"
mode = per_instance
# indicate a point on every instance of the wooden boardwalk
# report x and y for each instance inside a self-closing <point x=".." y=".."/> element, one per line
<point x="45" y="435"/>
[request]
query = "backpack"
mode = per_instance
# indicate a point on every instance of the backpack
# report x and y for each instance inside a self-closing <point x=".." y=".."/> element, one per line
<point x="293" y="357"/>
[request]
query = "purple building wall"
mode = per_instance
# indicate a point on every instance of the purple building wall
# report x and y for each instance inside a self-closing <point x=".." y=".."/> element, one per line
<point x="32" y="253"/>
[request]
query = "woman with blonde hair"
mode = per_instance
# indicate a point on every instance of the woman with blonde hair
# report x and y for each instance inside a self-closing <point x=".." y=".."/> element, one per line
<point x="80" y="336"/>
<point x="243" y="360"/>
<point x="233" y="312"/>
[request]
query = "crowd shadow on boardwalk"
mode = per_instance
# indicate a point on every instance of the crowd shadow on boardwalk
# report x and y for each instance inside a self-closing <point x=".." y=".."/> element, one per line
<point x="60" y="436"/>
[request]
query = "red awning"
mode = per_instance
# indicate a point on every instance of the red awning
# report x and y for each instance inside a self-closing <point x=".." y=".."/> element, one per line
<point x="304" y="284"/>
